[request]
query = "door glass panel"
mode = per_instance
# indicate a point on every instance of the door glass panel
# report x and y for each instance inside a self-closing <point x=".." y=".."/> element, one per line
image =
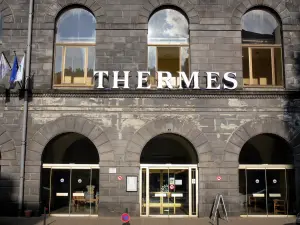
<point x="179" y="191"/>
<point x="256" y="192"/>
<point x="194" y="191"/>
<point x="171" y="191"/>
<point x="291" y="193"/>
<point x="243" y="191"/>
<point x="82" y="191"/>
<point x="159" y="192"/>
<point x="276" y="188"/>
<point x="60" y="191"/>
<point x="95" y="183"/>
<point x="144" y="206"/>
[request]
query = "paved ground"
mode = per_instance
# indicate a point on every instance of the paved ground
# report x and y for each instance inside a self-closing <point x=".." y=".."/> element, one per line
<point x="141" y="221"/>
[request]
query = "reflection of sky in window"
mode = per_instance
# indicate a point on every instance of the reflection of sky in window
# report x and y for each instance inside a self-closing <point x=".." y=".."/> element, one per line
<point x="168" y="24"/>
<point x="58" y="59"/>
<point x="76" y="25"/>
<point x="259" y="21"/>
<point x="91" y="58"/>
<point x="75" y="58"/>
<point x="151" y="57"/>
<point x="184" y="55"/>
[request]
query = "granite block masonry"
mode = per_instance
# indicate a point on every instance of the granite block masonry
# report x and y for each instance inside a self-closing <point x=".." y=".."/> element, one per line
<point x="120" y="123"/>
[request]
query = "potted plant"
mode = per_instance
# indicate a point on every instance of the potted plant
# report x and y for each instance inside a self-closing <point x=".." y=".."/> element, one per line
<point x="28" y="213"/>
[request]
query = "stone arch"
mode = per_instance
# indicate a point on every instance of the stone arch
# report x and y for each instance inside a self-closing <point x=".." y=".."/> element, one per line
<point x="255" y="127"/>
<point x="184" y="128"/>
<point x="151" y="5"/>
<point x="277" y="6"/>
<point x="7" y="146"/>
<point x="6" y="12"/>
<point x="54" y="9"/>
<point x="66" y="124"/>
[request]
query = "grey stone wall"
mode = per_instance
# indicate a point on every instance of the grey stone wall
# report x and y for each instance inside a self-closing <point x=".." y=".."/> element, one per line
<point x="217" y="128"/>
<point x="122" y="33"/>
<point x="210" y="122"/>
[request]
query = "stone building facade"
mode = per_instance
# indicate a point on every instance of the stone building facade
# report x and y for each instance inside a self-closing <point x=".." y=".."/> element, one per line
<point x="121" y="122"/>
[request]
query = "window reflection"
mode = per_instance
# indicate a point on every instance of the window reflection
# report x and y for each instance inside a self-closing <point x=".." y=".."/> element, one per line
<point x="152" y="50"/>
<point x="168" y="26"/>
<point x="58" y="64"/>
<point x="168" y="45"/>
<point x="259" y="26"/>
<point x="262" y="66"/>
<point x="76" y="25"/>
<point x="75" y="48"/>
<point x="262" y="49"/>
<point x="74" y="66"/>
<point x="185" y="59"/>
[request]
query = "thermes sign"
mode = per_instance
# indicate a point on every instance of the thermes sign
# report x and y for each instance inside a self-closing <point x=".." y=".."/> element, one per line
<point x="164" y="80"/>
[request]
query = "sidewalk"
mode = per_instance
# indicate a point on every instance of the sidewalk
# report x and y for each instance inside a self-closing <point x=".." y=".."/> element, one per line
<point x="143" y="221"/>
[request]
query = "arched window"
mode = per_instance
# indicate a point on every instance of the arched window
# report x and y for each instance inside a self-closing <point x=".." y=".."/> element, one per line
<point x="75" y="48"/>
<point x="262" y="49"/>
<point x="168" y="44"/>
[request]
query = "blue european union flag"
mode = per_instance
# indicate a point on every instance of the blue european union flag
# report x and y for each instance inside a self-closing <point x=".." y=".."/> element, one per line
<point x="14" y="71"/>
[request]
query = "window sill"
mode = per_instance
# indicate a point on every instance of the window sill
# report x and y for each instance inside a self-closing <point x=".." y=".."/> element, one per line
<point x="263" y="88"/>
<point x="79" y="87"/>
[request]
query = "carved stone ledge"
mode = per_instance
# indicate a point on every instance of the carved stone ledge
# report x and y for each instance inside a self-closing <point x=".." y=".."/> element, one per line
<point x="239" y="94"/>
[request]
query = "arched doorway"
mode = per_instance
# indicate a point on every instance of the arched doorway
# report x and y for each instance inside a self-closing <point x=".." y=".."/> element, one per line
<point x="70" y="176"/>
<point x="169" y="177"/>
<point x="266" y="177"/>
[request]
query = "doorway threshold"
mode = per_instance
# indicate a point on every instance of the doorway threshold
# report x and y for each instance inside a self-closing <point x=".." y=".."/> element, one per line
<point x="73" y="215"/>
<point x="266" y="216"/>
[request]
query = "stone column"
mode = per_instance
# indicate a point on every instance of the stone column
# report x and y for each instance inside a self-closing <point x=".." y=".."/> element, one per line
<point x="112" y="194"/>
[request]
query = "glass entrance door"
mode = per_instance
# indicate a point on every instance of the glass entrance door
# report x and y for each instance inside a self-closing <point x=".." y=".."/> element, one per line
<point x="70" y="189"/>
<point x="60" y="190"/>
<point x="159" y="194"/>
<point x="169" y="190"/>
<point x="268" y="189"/>
<point x="257" y="192"/>
<point x="277" y="199"/>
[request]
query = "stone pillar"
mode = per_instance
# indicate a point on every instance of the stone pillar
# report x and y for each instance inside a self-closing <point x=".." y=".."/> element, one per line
<point x="32" y="187"/>
<point x="112" y="194"/>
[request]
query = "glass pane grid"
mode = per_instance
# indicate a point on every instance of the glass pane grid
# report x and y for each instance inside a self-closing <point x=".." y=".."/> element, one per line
<point x="169" y="190"/>
<point x="266" y="192"/>
<point x="71" y="191"/>
<point x="262" y="66"/>
<point x="74" y="65"/>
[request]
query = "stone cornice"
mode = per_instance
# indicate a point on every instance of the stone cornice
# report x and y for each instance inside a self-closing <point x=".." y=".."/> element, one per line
<point x="203" y="94"/>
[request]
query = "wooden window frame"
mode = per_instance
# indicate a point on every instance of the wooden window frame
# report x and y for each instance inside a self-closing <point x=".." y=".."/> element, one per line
<point x="63" y="63"/>
<point x="272" y="47"/>
<point x="156" y="60"/>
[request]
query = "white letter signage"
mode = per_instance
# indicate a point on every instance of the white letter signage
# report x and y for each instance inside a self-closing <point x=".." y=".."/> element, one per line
<point x="166" y="80"/>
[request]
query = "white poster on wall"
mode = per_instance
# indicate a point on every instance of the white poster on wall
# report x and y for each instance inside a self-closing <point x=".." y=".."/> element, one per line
<point x="131" y="184"/>
<point x="112" y="170"/>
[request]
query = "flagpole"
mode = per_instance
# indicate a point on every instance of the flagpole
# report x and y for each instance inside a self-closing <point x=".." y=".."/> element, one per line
<point x="25" y="109"/>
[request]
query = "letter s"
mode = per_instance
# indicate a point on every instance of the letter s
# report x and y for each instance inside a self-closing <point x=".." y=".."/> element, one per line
<point x="231" y="80"/>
